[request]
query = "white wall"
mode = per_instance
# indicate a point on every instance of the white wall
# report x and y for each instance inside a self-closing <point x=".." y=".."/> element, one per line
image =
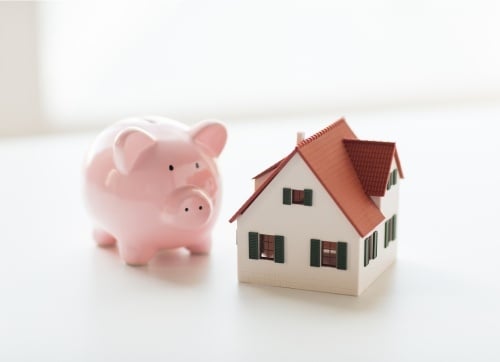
<point x="385" y="257"/>
<point x="389" y="205"/>
<point x="19" y="83"/>
<point x="230" y="59"/>
<point x="192" y="59"/>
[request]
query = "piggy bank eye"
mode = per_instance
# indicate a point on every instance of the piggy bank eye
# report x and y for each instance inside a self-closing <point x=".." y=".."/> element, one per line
<point x="197" y="165"/>
<point x="171" y="167"/>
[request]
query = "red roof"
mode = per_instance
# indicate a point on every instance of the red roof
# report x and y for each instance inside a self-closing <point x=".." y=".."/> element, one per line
<point x="326" y="155"/>
<point x="372" y="161"/>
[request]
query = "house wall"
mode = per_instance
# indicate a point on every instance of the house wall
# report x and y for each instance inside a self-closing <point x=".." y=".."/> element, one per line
<point x="385" y="256"/>
<point x="298" y="224"/>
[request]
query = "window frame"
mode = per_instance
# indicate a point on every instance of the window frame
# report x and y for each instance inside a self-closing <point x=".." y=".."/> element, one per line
<point x="267" y="240"/>
<point x="297" y="196"/>
<point x="266" y="247"/>
<point x="393" y="178"/>
<point x="316" y="254"/>
<point x="331" y="248"/>
<point x="371" y="248"/>
<point x="390" y="230"/>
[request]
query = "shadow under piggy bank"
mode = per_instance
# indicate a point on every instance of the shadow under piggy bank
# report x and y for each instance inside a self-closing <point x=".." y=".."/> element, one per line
<point x="178" y="266"/>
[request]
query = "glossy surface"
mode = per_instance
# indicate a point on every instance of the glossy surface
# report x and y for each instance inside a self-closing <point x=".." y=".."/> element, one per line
<point x="153" y="184"/>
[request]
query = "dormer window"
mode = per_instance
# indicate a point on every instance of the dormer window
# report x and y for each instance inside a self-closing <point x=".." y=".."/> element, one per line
<point x="297" y="197"/>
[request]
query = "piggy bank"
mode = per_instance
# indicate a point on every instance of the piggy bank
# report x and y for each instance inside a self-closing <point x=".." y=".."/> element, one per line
<point x="152" y="183"/>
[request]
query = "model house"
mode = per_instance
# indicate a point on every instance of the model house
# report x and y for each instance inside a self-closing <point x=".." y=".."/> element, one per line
<point x="324" y="217"/>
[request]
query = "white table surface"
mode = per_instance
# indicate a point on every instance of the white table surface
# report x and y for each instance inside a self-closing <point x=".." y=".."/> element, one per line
<point x="64" y="299"/>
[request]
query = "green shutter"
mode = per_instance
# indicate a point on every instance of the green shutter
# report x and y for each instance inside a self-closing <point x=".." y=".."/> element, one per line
<point x="287" y="196"/>
<point x="341" y="255"/>
<point x="390" y="229"/>
<point x="386" y="234"/>
<point x="308" y="197"/>
<point x="393" y="228"/>
<point x="315" y="252"/>
<point x="253" y="245"/>
<point x="279" y="249"/>
<point x="370" y="247"/>
<point x="375" y="243"/>
<point x="367" y="257"/>
<point x="395" y="177"/>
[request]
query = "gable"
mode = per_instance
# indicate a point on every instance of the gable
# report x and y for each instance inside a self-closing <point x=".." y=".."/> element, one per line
<point x="270" y="214"/>
<point x="327" y="157"/>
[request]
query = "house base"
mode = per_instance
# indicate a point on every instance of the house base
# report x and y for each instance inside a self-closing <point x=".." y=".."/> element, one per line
<point x="302" y="286"/>
<point x="314" y="285"/>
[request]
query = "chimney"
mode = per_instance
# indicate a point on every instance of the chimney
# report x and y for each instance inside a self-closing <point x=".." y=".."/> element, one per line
<point x="300" y="137"/>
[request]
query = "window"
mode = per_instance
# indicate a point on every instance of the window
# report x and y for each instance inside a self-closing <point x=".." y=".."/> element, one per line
<point x="371" y="247"/>
<point x="298" y="197"/>
<point x="266" y="247"/>
<point x="329" y="254"/>
<point x="393" y="179"/>
<point x="390" y="230"/>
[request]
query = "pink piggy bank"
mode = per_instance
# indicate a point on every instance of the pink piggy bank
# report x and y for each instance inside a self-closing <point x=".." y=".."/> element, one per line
<point x="153" y="184"/>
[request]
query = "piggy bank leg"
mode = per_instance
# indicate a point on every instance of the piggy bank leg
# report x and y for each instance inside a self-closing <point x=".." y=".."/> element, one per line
<point x="200" y="247"/>
<point x="135" y="256"/>
<point x="102" y="238"/>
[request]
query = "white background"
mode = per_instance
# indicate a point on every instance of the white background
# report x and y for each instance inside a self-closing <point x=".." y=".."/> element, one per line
<point x="73" y="65"/>
<point x="230" y="58"/>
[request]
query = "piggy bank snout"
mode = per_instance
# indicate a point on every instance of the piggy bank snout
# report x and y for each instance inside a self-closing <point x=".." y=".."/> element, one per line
<point x="194" y="208"/>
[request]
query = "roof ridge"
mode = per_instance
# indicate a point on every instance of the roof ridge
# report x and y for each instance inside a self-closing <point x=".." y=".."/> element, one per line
<point x="321" y="133"/>
<point x="368" y="141"/>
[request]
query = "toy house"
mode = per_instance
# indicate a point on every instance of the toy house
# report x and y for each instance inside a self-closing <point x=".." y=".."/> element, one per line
<point x="324" y="217"/>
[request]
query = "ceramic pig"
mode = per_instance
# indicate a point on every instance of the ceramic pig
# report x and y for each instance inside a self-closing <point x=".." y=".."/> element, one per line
<point x="153" y="184"/>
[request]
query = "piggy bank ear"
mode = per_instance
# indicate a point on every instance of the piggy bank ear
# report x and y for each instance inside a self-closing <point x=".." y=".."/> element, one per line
<point x="211" y="135"/>
<point x="128" y="147"/>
